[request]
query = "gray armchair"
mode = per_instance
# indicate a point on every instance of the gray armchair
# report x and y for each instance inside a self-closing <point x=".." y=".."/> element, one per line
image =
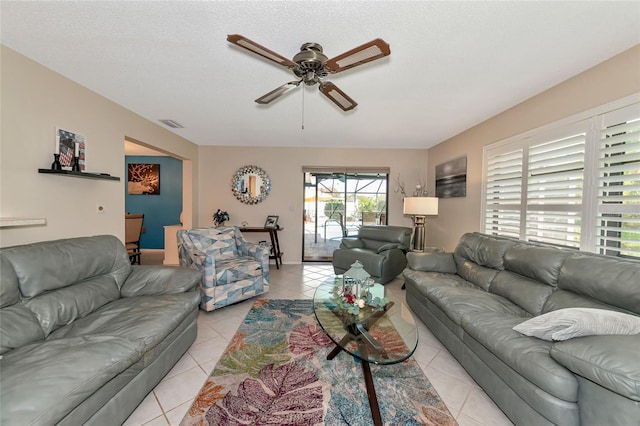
<point x="381" y="249"/>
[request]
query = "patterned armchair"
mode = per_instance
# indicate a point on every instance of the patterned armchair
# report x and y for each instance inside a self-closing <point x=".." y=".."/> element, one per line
<point x="233" y="268"/>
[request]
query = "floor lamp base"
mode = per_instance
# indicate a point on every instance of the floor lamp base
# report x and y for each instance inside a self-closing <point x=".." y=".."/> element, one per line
<point x="418" y="234"/>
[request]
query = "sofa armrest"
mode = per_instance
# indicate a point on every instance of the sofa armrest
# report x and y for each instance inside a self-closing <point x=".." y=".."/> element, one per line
<point x="156" y="280"/>
<point x="259" y="253"/>
<point x="432" y="262"/>
<point x="610" y="361"/>
<point x="389" y="246"/>
<point x="351" y="243"/>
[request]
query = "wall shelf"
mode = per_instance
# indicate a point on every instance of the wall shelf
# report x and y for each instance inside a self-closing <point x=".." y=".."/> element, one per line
<point x="7" y="222"/>
<point x="84" y="175"/>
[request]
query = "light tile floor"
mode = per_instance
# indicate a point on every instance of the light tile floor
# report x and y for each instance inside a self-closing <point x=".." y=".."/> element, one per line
<point x="171" y="399"/>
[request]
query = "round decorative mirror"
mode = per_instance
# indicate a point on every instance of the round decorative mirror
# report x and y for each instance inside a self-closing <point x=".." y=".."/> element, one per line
<point x="250" y="184"/>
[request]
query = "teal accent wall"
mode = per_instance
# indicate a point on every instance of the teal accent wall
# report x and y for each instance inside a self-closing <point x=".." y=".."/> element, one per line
<point x="159" y="210"/>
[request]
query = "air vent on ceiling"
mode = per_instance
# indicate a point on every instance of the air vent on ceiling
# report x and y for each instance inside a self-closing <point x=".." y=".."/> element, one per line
<point x="172" y="124"/>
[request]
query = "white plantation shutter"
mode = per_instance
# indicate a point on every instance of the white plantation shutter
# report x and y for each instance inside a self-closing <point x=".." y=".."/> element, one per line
<point x="503" y="193"/>
<point x="575" y="183"/>
<point x="618" y="210"/>
<point x="555" y="176"/>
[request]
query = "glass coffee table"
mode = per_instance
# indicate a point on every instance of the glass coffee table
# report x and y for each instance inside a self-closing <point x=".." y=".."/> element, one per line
<point x="375" y="335"/>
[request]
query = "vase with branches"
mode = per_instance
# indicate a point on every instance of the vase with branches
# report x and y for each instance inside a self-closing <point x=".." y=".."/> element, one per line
<point x="220" y="217"/>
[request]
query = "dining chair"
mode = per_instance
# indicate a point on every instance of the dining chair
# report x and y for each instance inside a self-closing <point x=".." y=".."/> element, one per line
<point x="133" y="229"/>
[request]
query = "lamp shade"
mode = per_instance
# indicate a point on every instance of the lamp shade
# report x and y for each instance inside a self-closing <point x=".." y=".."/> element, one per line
<point x="421" y="206"/>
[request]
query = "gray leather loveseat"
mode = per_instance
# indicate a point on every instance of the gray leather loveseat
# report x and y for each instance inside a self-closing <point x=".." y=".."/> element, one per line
<point x="473" y="298"/>
<point x="381" y="249"/>
<point x="84" y="335"/>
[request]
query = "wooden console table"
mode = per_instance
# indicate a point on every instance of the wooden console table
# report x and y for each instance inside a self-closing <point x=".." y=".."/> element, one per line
<point x="275" y="254"/>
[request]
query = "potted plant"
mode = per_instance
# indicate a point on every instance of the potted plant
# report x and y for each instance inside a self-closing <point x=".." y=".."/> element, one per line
<point x="220" y="217"/>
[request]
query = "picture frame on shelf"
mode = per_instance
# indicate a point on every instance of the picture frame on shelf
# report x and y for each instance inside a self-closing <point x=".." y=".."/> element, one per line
<point x="68" y="144"/>
<point x="271" y="222"/>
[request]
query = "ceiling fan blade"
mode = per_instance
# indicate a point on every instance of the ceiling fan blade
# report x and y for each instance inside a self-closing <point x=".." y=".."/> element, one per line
<point x="337" y="96"/>
<point x="375" y="49"/>
<point x="275" y="94"/>
<point x="254" y="47"/>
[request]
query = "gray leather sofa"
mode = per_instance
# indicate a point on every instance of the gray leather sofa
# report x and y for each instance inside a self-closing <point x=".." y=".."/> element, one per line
<point x="380" y="248"/>
<point x="84" y="335"/>
<point x="471" y="300"/>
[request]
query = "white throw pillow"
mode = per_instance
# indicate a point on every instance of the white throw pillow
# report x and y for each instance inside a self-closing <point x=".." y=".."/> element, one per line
<point x="568" y="323"/>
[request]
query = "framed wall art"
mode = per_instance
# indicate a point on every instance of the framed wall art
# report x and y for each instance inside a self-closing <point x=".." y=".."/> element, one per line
<point x="143" y="179"/>
<point x="68" y="145"/>
<point x="451" y="178"/>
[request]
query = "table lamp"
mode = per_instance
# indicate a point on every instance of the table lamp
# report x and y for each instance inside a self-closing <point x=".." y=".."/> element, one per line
<point x="419" y="207"/>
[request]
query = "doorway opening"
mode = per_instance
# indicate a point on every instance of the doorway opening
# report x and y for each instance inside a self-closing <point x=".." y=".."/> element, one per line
<point x="337" y="203"/>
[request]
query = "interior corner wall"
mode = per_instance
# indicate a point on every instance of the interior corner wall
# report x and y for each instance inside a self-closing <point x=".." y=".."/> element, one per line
<point x="34" y="101"/>
<point x="608" y="81"/>
<point x="286" y="199"/>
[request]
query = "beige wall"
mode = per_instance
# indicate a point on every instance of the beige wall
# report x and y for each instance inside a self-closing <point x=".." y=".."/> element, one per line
<point x="284" y="167"/>
<point x="34" y="101"/>
<point x="611" y="80"/>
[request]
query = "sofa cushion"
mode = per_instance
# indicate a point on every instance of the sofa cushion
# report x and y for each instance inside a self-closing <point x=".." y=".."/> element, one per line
<point x="18" y="327"/>
<point x="610" y="361"/>
<point x="351" y="243"/>
<point x="524" y="292"/>
<point x="528" y="356"/>
<point x="44" y="381"/>
<point x="423" y="281"/>
<point x="560" y="299"/>
<point x="539" y="263"/>
<point x="481" y="276"/>
<point x="52" y="265"/>
<point x="565" y="324"/>
<point x="483" y="250"/>
<point x="432" y="262"/>
<point x="9" y="291"/>
<point x="602" y="278"/>
<point x="371" y="261"/>
<point x="57" y="308"/>
<point x="63" y="280"/>
<point x="457" y="302"/>
<point x="375" y="236"/>
<point x="148" y="319"/>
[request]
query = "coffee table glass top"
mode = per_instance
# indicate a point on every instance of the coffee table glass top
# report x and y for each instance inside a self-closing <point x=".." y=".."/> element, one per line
<point x="378" y="336"/>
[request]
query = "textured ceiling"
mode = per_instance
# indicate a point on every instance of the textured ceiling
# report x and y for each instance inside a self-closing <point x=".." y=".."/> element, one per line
<point x="452" y="64"/>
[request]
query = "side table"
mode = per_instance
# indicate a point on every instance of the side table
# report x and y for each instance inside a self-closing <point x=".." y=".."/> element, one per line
<point x="275" y="254"/>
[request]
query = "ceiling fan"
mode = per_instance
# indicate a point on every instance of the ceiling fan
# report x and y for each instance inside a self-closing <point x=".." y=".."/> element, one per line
<point x="310" y="65"/>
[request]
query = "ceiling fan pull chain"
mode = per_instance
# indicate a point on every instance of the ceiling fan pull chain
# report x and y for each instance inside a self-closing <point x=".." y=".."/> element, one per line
<point x="303" y="107"/>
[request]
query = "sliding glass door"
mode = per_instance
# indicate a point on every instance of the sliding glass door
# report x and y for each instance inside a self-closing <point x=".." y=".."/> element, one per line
<point x="337" y="203"/>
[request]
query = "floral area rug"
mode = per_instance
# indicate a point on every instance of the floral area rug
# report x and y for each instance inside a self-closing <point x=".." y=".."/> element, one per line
<point x="275" y="372"/>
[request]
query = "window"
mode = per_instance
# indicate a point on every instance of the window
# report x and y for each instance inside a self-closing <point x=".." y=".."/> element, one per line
<point x="618" y="214"/>
<point x="574" y="185"/>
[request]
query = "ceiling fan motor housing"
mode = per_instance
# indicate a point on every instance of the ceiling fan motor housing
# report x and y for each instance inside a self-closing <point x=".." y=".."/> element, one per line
<point x="310" y="62"/>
